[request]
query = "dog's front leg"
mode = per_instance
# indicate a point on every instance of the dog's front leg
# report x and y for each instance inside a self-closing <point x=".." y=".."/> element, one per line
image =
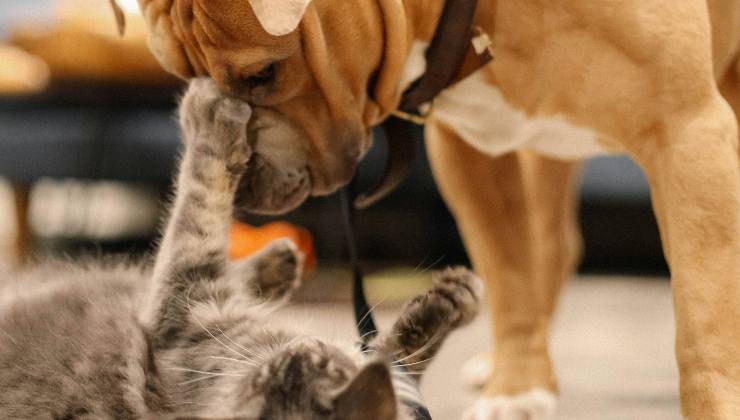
<point x="522" y="238"/>
<point x="695" y="181"/>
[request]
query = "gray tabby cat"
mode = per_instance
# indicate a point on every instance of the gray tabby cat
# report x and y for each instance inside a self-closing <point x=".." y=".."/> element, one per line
<point x="190" y="338"/>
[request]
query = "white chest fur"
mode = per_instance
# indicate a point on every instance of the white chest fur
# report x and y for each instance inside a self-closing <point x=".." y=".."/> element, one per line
<point x="478" y="112"/>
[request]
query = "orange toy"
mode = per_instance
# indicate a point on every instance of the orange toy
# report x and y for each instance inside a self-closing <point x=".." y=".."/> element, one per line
<point x="246" y="240"/>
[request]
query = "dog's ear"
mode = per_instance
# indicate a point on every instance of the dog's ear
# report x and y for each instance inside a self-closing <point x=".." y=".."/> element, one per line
<point x="279" y="17"/>
<point x="167" y="48"/>
<point x="120" y="17"/>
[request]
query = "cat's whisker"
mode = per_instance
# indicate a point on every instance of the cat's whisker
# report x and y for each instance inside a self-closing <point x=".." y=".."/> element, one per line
<point x="245" y="362"/>
<point x="396" y="364"/>
<point x="418" y="266"/>
<point x="437" y="261"/>
<point x="192" y="381"/>
<point x="432" y="341"/>
<point x="223" y="334"/>
<point x="208" y="331"/>
<point x="192" y="403"/>
<point x="362" y="337"/>
<point x="206" y="375"/>
<point x="370" y="312"/>
<point x="276" y="344"/>
<point x="182" y="369"/>
<point x="408" y="373"/>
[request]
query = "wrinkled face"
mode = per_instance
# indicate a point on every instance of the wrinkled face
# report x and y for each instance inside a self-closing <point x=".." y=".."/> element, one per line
<point x="316" y="381"/>
<point x="308" y="88"/>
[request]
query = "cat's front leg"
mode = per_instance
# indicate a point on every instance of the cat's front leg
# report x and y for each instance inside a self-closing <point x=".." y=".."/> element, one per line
<point x="272" y="274"/>
<point x="427" y="320"/>
<point x="193" y="251"/>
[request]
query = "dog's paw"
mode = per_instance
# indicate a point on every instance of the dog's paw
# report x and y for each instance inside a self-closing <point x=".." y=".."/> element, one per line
<point x="279" y="269"/>
<point x="462" y="289"/>
<point x="476" y="371"/>
<point x="537" y="404"/>
<point x="214" y="124"/>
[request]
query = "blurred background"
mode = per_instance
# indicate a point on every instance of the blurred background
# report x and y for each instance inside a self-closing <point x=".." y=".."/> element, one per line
<point x="88" y="143"/>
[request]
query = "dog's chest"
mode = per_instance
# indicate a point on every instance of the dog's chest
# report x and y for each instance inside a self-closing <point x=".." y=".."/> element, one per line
<point x="477" y="111"/>
<point x="480" y="115"/>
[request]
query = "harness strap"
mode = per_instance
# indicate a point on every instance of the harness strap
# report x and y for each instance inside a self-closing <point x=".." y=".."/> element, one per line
<point x="445" y="55"/>
<point x="457" y="50"/>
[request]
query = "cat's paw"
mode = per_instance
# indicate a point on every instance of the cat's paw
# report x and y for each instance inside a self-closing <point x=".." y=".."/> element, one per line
<point x="458" y="290"/>
<point x="537" y="404"/>
<point x="428" y="319"/>
<point x="214" y="124"/>
<point x="278" y="269"/>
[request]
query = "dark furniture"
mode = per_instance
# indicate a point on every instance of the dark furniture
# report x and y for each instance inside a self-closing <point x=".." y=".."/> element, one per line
<point x="129" y="134"/>
<point x="85" y="131"/>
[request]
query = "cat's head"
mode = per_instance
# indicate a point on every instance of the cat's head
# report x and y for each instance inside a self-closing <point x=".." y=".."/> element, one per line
<point x="313" y="380"/>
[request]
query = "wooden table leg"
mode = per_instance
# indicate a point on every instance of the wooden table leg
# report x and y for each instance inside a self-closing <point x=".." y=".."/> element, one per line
<point x="22" y="246"/>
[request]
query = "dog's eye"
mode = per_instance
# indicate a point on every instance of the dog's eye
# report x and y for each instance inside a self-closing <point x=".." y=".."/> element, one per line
<point x="262" y="77"/>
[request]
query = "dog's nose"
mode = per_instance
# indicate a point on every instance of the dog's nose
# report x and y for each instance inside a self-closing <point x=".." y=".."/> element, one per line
<point x="334" y="172"/>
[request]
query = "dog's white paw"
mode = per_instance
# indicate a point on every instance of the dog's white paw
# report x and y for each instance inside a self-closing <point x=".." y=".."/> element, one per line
<point x="537" y="404"/>
<point x="476" y="371"/>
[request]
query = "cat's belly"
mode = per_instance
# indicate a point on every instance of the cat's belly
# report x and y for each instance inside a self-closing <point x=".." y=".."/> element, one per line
<point x="479" y="114"/>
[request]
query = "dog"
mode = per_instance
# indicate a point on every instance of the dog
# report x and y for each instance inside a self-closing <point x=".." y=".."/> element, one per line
<point x="656" y="79"/>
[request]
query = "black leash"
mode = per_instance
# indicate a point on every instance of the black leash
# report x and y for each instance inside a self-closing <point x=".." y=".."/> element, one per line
<point x="363" y="315"/>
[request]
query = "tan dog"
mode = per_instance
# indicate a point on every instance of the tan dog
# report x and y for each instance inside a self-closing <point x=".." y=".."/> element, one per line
<point x="570" y="78"/>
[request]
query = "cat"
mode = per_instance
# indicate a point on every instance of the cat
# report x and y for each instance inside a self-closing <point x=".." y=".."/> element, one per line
<point x="190" y="336"/>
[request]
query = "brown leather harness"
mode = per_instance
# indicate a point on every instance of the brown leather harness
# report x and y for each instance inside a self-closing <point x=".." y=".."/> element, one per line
<point x="457" y="50"/>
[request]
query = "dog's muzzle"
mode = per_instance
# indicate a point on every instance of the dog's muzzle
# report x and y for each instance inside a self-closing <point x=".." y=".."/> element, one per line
<point x="277" y="178"/>
<point x="285" y="169"/>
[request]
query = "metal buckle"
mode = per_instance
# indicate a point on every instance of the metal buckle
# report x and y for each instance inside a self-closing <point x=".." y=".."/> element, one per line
<point x="419" y="119"/>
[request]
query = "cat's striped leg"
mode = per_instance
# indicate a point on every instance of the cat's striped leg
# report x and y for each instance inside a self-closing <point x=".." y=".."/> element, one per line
<point x="193" y="252"/>
<point x="272" y="274"/>
<point x="428" y="319"/>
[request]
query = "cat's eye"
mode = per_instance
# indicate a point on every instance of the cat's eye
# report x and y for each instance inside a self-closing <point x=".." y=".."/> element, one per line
<point x="263" y="77"/>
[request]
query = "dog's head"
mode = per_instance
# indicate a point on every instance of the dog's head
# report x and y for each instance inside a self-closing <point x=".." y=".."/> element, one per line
<point x="318" y="74"/>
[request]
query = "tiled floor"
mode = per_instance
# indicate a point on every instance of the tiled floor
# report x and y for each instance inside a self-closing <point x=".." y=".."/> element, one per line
<point x="612" y="343"/>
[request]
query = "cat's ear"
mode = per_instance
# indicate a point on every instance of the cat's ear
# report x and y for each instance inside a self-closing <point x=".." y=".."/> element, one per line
<point x="369" y="396"/>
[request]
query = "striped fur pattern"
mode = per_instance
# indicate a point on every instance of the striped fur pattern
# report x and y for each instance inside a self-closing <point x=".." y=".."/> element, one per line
<point x="189" y="336"/>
